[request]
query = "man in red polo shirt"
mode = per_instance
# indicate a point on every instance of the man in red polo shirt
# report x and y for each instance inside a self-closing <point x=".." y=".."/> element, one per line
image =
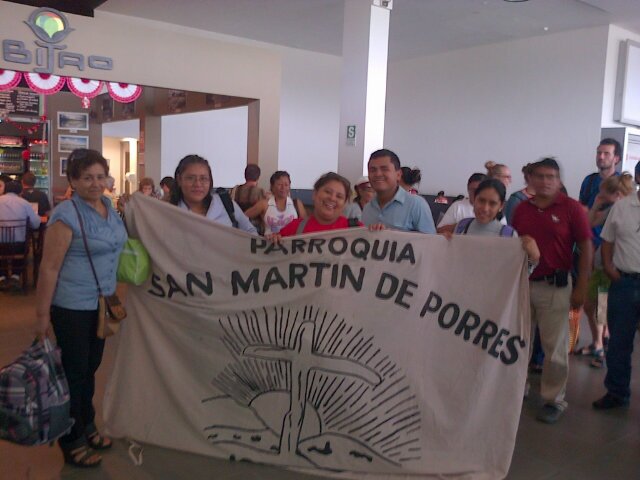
<point x="556" y="222"/>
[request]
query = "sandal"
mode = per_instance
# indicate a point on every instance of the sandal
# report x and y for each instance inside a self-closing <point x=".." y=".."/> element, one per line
<point x="98" y="442"/>
<point x="598" y="359"/>
<point x="81" y="457"/>
<point x="588" y="350"/>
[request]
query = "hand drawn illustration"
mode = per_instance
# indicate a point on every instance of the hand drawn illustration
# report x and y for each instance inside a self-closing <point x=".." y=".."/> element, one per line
<point x="307" y="389"/>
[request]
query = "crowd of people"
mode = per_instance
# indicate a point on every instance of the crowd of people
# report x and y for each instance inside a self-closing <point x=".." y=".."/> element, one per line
<point x="557" y="233"/>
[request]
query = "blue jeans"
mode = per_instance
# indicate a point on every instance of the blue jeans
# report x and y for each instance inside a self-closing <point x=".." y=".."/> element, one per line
<point x="623" y="314"/>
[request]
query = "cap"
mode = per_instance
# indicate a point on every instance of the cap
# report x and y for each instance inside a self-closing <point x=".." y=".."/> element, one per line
<point x="361" y="180"/>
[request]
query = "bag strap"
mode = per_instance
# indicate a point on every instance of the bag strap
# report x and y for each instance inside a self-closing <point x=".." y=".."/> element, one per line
<point x="295" y="205"/>
<point x="587" y="191"/>
<point x="463" y="226"/>
<point x="86" y="247"/>
<point x="507" y="231"/>
<point x="301" y="226"/>
<point x="223" y="193"/>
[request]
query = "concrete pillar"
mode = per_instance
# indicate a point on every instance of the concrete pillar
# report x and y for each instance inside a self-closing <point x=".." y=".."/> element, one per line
<point x="365" y="46"/>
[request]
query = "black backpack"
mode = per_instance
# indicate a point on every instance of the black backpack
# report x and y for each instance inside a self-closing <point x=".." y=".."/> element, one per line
<point x="224" y="195"/>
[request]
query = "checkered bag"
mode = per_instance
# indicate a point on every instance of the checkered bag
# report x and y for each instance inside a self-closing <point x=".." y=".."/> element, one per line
<point x="34" y="397"/>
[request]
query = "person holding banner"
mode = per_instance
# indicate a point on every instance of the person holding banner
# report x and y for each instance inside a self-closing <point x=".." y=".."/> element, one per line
<point x="556" y="222"/>
<point x="193" y="191"/>
<point x="67" y="294"/>
<point x="330" y="193"/>
<point x="488" y="202"/>
<point x="393" y="207"/>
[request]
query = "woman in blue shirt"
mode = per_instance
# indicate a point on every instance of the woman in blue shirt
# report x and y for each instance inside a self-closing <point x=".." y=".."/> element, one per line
<point x="67" y="294"/>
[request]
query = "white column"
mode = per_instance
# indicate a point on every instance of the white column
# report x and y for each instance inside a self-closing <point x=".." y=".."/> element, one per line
<point x="365" y="46"/>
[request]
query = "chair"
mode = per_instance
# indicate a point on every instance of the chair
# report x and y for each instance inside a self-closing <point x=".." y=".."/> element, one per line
<point x="37" y="238"/>
<point x="15" y="240"/>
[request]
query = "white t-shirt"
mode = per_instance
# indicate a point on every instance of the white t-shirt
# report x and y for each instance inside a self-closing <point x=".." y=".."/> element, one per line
<point x="622" y="228"/>
<point x="457" y="211"/>
<point x="274" y="219"/>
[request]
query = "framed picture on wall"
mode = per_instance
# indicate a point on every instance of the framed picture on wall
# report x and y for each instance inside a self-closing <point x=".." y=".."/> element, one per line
<point x="68" y="143"/>
<point x="107" y="109"/>
<point x="63" y="166"/>
<point x="73" y="121"/>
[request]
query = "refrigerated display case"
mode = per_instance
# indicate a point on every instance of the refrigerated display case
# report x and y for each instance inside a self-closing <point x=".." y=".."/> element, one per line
<point x="11" y="161"/>
<point x="39" y="165"/>
<point x="13" y="144"/>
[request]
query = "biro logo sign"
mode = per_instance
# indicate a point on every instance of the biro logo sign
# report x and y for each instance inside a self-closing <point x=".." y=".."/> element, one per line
<point x="51" y="27"/>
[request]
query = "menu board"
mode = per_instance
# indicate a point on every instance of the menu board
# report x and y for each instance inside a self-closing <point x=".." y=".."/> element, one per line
<point x="20" y="101"/>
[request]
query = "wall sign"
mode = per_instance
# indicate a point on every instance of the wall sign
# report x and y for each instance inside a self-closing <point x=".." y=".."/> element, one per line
<point x="20" y="101"/>
<point x="351" y="135"/>
<point x="51" y="27"/>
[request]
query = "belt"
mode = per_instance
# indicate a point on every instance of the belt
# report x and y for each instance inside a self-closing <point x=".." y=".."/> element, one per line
<point x="635" y="276"/>
<point x="544" y="278"/>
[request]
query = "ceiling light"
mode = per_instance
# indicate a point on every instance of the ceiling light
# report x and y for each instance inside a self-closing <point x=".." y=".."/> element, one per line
<point x="515" y="1"/>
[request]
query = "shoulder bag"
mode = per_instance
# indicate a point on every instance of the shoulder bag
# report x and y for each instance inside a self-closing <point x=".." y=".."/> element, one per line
<point x="110" y="310"/>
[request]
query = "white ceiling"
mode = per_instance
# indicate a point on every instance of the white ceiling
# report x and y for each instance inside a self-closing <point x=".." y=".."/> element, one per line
<point x="418" y="27"/>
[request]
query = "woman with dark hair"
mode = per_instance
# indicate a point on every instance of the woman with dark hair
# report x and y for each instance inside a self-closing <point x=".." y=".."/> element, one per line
<point x="462" y="207"/>
<point x="165" y="185"/>
<point x="193" y="191"/>
<point x="527" y="193"/>
<point x="67" y="293"/>
<point x="488" y="201"/>
<point x="330" y="193"/>
<point x="410" y="178"/>
<point x="280" y="209"/>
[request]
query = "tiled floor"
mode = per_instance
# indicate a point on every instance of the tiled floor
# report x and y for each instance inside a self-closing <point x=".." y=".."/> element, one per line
<point x="584" y="445"/>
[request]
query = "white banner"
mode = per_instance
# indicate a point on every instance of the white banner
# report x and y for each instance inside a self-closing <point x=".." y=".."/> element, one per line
<point x="347" y="353"/>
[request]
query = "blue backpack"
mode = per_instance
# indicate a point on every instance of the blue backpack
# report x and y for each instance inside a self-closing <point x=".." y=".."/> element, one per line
<point x="463" y="227"/>
<point x="34" y="397"/>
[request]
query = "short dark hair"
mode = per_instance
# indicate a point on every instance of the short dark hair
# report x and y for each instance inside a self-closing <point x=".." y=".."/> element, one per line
<point x="547" y="162"/>
<point x="278" y="174"/>
<point x="411" y="177"/>
<point x="4" y="178"/>
<point x="29" y="179"/>
<point x="617" y="149"/>
<point x="441" y="193"/>
<point x="494" y="183"/>
<point x="476" y="177"/>
<point x="383" y="152"/>
<point x="168" y="182"/>
<point x="176" y="191"/>
<point x="252" y="172"/>
<point x="13" y="187"/>
<point x="82" y="158"/>
<point x="333" y="177"/>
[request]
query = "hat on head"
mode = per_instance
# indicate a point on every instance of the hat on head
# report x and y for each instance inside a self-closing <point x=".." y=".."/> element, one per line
<point x="361" y="181"/>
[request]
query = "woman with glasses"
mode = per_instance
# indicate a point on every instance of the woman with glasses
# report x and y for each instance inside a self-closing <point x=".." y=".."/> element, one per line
<point x="67" y="294"/>
<point x="193" y="191"/>
<point x="498" y="171"/>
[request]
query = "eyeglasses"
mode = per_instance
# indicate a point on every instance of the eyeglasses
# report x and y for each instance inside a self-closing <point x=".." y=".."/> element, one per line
<point x="192" y="179"/>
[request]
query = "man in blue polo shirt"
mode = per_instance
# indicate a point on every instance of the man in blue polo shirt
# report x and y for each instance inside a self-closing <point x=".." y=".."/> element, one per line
<point x="393" y="206"/>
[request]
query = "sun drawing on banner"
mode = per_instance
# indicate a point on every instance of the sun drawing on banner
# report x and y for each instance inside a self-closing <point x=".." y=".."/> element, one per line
<point x="306" y="389"/>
